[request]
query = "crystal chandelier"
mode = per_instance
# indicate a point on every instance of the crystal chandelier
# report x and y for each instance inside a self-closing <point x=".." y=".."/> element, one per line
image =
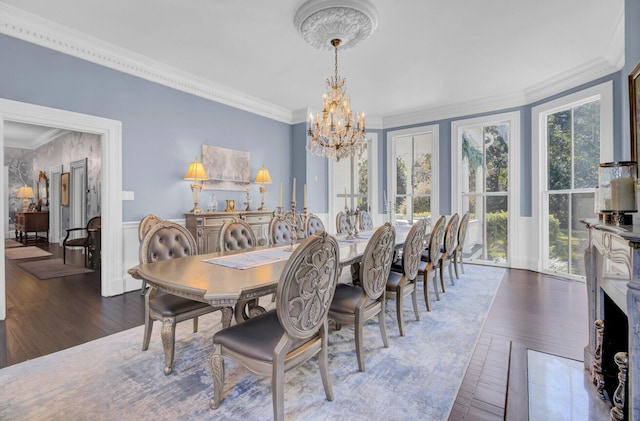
<point x="337" y="133"/>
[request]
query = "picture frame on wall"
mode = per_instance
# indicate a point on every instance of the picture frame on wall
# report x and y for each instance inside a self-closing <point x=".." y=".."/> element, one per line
<point x="634" y="110"/>
<point x="64" y="189"/>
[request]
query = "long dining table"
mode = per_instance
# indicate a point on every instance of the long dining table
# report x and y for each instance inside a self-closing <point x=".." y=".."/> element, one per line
<point x="226" y="278"/>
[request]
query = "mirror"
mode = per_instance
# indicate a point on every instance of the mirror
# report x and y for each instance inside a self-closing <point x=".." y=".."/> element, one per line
<point x="43" y="191"/>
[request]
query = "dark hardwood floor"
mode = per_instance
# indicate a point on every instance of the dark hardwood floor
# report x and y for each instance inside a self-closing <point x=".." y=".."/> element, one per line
<point x="536" y="311"/>
<point x="45" y="316"/>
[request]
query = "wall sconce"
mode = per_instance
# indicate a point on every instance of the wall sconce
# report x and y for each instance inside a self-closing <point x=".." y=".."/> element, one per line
<point x="25" y="193"/>
<point x="197" y="174"/>
<point x="263" y="177"/>
<point x="617" y="191"/>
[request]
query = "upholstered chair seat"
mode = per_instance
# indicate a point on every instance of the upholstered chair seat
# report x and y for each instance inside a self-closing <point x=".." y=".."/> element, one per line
<point x="168" y="305"/>
<point x="401" y="281"/>
<point x="256" y="340"/>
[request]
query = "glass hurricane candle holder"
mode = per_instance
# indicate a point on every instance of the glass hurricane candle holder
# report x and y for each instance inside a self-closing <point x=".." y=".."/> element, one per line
<point x="617" y="191"/>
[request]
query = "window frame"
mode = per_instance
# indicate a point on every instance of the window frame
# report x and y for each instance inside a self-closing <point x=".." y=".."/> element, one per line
<point x="539" y="114"/>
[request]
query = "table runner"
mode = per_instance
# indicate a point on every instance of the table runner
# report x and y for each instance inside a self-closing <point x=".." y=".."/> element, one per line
<point x="251" y="259"/>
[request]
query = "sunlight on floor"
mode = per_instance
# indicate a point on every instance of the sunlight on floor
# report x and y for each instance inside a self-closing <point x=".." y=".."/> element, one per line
<point x="560" y="389"/>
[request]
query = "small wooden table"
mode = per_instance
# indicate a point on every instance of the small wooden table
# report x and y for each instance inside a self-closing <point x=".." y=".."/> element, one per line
<point x="35" y="222"/>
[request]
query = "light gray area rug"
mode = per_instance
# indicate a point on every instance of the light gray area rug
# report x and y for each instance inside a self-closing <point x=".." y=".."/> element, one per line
<point x="25" y="252"/>
<point x="52" y="268"/>
<point x="417" y="377"/>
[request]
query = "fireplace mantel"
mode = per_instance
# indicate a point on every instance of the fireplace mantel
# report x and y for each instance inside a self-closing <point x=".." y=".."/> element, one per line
<point x="621" y="245"/>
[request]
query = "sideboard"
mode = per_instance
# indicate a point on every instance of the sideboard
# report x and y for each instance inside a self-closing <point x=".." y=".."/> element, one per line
<point x="205" y="227"/>
<point x="612" y="261"/>
<point x="35" y="222"/>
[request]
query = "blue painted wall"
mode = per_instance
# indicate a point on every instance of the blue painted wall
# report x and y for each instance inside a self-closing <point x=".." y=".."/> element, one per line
<point x="163" y="129"/>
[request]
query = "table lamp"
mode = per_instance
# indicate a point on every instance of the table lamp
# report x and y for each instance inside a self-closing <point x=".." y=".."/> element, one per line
<point x="197" y="174"/>
<point x="263" y="177"/>
<point x="25" y="193"/>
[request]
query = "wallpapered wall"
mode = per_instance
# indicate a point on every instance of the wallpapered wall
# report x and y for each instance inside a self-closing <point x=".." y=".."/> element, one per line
<point x="25" y="164"/>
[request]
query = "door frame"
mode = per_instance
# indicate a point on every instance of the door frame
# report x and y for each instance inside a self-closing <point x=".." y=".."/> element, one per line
<point x="110" y="132"/>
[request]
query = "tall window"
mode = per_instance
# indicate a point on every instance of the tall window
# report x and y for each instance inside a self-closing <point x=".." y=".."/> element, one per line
<point x="413" y="174"/>
<point x="570" y="133"/>
<point x="483" y="180"/>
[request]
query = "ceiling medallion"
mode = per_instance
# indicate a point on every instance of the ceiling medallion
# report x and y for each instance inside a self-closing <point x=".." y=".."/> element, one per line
<point x="321" y="21"/>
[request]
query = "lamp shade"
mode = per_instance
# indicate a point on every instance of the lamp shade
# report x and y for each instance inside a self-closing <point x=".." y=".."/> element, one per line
<point x="196" y="172"/>
<point x="25" y="192"/>
<point x="263" y="176"/>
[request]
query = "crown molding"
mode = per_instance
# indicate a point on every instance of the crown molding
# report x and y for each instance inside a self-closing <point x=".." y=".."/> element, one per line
<point x="34" y="29"/>
<point x="579" y="75"/>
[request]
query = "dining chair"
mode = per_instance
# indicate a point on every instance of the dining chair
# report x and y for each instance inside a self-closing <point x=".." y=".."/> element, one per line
<point x="236" y="234"/>
<point x="313" y="224"/>
<point x="296" y="220"/>
<point x="167" y="240"/>
<point x="293" y="333"/>
<point x="280" y="231"/>
<point x="449" y="248"/>
<point x="84" y="241"/>
<point x="365" y="221"/>
<point x="342" y="223"/>
<point x="462" y="234"/>
<point x="402" y="278"/>
<point x="145" y="225"/>
<point x="355" y="304"/>
<point x="429" y="260"/>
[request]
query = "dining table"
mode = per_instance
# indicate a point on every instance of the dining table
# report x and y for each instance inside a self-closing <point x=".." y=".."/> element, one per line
<point x="229" y="277"/>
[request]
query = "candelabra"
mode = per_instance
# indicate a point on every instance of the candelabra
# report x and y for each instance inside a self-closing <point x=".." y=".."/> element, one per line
<point x="352" y="223"/>
<point x="294" y="230"/>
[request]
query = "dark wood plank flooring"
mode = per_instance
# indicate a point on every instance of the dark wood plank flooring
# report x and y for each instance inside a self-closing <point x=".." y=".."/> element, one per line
<point x="537" y="311"/>
<point x="45" y="316"/>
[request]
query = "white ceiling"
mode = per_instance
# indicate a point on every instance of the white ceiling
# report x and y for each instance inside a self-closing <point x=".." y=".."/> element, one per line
<point x="425" y="55"/>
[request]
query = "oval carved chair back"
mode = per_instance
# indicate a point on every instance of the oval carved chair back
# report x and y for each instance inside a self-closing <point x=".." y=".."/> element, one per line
<point x="280" y="231"/>
<point x="313" y="224"/>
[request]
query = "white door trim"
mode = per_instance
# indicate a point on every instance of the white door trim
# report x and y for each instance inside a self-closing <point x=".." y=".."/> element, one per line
<point x="110" y="132"/>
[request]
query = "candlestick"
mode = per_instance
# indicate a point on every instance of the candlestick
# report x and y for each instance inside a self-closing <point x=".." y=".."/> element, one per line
<point x="384" y="197"/>
<point x="280" y="203"/>
<point x="293" y="192"/>
<point x="305" y="196"/>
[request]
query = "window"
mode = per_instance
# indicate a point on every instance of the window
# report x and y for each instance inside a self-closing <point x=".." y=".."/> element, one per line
<point x="353" y="182"/>
<point x="483" y="178"/>
<point x="412" y="173"/>
<point x="574" y="134"/>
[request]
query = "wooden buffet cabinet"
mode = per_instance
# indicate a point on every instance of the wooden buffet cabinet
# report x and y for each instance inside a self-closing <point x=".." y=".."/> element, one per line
<point x="614" y="300"/>
<point x="205" y="227"/>
<point x="35" y="222"/>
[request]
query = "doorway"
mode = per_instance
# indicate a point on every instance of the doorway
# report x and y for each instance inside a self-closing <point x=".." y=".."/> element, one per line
<point x="110" y="132"/>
